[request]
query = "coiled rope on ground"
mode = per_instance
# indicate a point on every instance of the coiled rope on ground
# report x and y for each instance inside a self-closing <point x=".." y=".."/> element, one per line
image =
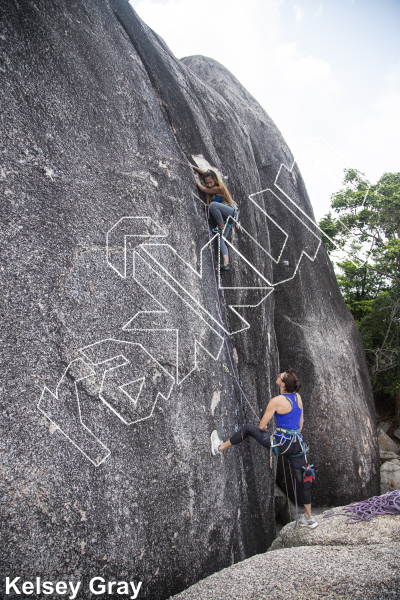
<point x="387" y="504"/>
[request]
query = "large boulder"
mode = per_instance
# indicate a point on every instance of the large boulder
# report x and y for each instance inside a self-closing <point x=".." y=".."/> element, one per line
<point x="335" y="560"/>
<point x="307" y="573"/>
<point x="114" y="352"/>
<point x="315" y="331"/>
<point x="333" y="530"/>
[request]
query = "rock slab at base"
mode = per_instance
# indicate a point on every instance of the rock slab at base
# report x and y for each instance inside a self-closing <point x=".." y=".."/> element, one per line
<point x="313" y="573"/>
<point x="334" y="531"/>
<point x="333" y="561"/>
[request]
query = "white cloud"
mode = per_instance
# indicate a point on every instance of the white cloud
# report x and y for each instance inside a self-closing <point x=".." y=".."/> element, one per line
<point x="298" y="12"/>
<point x="373" y="140"/>
<point x="304" y="71"/>
<point x="290" y="85"/>
<point x="393" y="77"/>
<point x="319" y="11"/>
<point x="223" y="28"/>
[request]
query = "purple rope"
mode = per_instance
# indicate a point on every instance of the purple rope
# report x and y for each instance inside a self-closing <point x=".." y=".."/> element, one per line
<point x="388" y="504"/>
<point x="220" y="316"/>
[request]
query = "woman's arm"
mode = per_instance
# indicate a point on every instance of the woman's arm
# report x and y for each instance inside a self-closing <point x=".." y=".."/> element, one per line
<point x="269" y="413"/>
<point x="200" y="171"/>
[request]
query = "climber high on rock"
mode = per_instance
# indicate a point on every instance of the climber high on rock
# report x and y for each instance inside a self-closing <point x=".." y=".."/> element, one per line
<point x="221" y="207"/>
<point x="288" y="408"/>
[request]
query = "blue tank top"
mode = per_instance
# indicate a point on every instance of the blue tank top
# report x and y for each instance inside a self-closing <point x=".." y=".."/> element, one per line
<point x="292" y="419"/>
<point x="218" y="199"/>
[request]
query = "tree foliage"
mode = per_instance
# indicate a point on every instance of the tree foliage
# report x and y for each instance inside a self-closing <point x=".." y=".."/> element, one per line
<point x="364" y="223"/>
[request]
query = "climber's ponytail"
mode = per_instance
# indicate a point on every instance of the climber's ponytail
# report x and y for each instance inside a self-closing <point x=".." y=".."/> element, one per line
<point x="291" y="381"/>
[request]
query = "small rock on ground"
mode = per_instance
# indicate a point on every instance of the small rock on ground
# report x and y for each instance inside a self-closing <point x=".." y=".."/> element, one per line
<point x="386" y="443"/>
<point x="390" y="476"/>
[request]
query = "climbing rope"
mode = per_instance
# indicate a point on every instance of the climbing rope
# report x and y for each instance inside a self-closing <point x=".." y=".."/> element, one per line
<point x="294" y="486"/>
<point x="233" y="369"/>
<point x="220" y="316"/>
<point x="388" y="504"/>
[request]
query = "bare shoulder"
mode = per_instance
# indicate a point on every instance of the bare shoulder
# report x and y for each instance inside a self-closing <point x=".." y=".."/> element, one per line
<point x="275" y="399"/>
<point x="279" y="401"/>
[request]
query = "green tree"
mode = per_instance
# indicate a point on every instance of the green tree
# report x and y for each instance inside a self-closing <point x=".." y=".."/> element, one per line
<point x="364" y="223"/>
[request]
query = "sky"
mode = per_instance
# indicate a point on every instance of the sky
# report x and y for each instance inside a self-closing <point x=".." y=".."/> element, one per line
<point x="327" y="73"/>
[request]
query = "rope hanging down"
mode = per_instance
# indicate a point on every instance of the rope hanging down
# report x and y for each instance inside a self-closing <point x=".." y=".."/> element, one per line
<point x="230" y="360"/>
<point x="388" y="504"/>
<point x="220" y="316"/>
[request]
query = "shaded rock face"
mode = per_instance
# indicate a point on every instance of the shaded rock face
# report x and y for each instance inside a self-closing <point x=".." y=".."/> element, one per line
<point x="114" y="358"/>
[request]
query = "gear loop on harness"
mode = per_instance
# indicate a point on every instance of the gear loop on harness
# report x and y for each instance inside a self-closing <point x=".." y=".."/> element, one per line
<point x="292" y="435"/>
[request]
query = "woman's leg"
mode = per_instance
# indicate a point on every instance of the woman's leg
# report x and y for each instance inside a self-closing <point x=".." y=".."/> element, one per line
<point x="305" y="494"/>
<point x="296" y="464"/>
<point x="221" y="212"/>
<point x="216" y="213"/>
<point x="262" y="437"/>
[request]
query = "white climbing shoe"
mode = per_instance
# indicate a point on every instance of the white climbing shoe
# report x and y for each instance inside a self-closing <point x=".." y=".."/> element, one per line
<point x="310" y="523"/>
<point x="215" y="443"/>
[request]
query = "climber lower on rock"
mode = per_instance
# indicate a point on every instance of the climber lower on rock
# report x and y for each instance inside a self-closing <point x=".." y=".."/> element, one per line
<point x="221" y="207"/>
<point x="288" y="409"/>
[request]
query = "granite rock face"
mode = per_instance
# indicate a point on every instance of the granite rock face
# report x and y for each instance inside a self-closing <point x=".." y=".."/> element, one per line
<point x="334" y="531"/>
<point x="335" y="560"/>
<point x="114" y="359"/>
<point x="315" y="332"/>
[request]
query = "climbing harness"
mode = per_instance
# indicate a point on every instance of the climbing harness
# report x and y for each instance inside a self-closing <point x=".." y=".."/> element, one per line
<point x="309" y="471"/>
<point x="285" y="435"/>
<point x="387" y="504"/>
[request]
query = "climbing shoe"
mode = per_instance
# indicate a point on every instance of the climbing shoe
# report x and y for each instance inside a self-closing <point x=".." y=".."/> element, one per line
<point x="215" y="443"/>
<point x="217" y="230"/>
<point x="310" y="523"/>
<point x="225" y="267"/>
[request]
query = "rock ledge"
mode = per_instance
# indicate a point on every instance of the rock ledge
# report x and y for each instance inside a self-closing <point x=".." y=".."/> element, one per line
<point x="335" y="560"/>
